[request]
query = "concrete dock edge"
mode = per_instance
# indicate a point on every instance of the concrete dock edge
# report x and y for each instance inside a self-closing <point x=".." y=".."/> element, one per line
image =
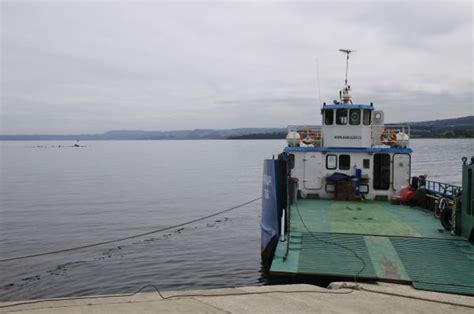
<point x="301" y="298"/>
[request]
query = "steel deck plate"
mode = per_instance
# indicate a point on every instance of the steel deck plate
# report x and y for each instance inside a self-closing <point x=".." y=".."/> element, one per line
<point x="375" y="240"/>
<point x="365" y="217"/>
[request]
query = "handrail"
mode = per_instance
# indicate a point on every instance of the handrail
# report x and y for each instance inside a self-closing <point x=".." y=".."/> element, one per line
<point x="298" y="128"/>
<point x="440" y="188"/>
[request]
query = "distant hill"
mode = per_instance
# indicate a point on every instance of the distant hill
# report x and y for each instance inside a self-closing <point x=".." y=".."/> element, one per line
<point x="455" y="122"/>
<point x="448" y="128"/>
<point x="278" y="135"/>
<point x="197" y="134"/>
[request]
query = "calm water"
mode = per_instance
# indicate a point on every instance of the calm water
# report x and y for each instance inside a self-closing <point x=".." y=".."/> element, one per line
<point x="55" y="197"/>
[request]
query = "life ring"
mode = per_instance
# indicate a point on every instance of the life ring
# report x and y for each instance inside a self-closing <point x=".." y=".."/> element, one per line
<point x="309" y="136"/>
<point x="388" y="137"/>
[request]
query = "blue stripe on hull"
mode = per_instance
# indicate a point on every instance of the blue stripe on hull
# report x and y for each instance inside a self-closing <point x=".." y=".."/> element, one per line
<point x="349" y="149"/>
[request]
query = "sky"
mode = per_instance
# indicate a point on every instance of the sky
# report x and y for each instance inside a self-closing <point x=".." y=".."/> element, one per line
<point x="93" y="66"/>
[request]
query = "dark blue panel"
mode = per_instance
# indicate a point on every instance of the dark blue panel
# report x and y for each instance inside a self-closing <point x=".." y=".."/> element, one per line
<point x="349" y="149"/>
<point x="347" y="106"/>
<point x="271" y="209"/>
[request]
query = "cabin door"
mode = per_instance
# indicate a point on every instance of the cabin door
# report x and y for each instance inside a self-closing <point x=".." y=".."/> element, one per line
<point x="381" y="171"/>
<point x="401" y="171"/>
<point x="312" y="171"/>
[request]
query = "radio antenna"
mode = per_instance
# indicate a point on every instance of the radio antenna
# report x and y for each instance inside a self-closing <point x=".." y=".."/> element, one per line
<point x="347" y="52"/>
<point x="319" y="88"/>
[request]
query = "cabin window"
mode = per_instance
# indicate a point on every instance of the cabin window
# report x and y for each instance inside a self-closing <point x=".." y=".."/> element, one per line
<point x="341" y="116"/>
<point x="366" y="163"/>
<point x="381" y="171"/>
<point x="367" y="116"/>
<point x="354" y="117"/>
<point x="331" y="162"/>
<point x="328" y="117"/>
<point x="344" y="162"/>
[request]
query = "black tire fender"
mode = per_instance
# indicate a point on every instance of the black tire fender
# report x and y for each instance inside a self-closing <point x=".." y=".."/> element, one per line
<point x="446" y="217"/>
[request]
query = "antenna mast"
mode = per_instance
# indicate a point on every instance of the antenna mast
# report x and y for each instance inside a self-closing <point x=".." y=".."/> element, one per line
<point x="319" y="88"/>
<point x="344" y="94"/>
<point x="347" y="52"/>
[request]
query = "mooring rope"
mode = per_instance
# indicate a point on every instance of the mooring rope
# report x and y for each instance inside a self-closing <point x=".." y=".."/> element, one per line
<point x="129" y="237"/>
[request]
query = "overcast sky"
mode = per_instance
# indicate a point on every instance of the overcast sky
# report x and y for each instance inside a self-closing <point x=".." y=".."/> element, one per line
<point x="90" y="67"/>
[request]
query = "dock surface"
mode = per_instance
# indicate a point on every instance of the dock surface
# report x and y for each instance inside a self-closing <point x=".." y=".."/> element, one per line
<point x="343" y="298"/>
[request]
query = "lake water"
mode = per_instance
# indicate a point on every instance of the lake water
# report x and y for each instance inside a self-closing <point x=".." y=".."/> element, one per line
<point x="55" y="197"/>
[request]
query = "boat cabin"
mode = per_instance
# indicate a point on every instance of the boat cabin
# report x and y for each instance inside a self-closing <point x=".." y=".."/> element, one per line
<point x="321" y="215"/>
<point x="353" y="144"/>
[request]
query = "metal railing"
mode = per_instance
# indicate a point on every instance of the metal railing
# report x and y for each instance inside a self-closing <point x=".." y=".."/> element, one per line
<point x="300" y="128"/>
<point x="440" y="188"/>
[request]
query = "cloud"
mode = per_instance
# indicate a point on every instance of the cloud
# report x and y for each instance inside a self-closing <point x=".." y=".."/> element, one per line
<point x="95" y="66"/>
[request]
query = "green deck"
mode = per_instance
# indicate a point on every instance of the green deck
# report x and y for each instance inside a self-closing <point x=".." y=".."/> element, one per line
<point x="375" y="240"/>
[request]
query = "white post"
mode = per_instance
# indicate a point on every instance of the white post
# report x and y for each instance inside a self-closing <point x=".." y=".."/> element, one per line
<point x="282" y="228"/>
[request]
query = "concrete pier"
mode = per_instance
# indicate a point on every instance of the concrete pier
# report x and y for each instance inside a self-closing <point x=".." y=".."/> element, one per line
<point x="342" y="298"/>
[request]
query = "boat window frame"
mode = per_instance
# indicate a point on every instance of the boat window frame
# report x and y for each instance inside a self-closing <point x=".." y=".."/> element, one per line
<point x="359" y="116"/>
<point x="342" y="119"/>
<point x="366" y="163"/>
<point x="341" y="163"/>
<point x="367" y="117"/>
<point x="327" y="166"/>
<point x="325" y="116"/>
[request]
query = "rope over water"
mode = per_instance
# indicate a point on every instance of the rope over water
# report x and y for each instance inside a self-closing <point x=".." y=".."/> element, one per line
<point x="129" y="237"/>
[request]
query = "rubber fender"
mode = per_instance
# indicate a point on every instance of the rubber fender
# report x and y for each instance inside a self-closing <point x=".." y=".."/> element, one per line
<point x="446" y="218"/>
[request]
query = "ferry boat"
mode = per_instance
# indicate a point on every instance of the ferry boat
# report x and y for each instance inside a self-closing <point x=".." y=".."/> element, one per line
<point x="340" y="202"/>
